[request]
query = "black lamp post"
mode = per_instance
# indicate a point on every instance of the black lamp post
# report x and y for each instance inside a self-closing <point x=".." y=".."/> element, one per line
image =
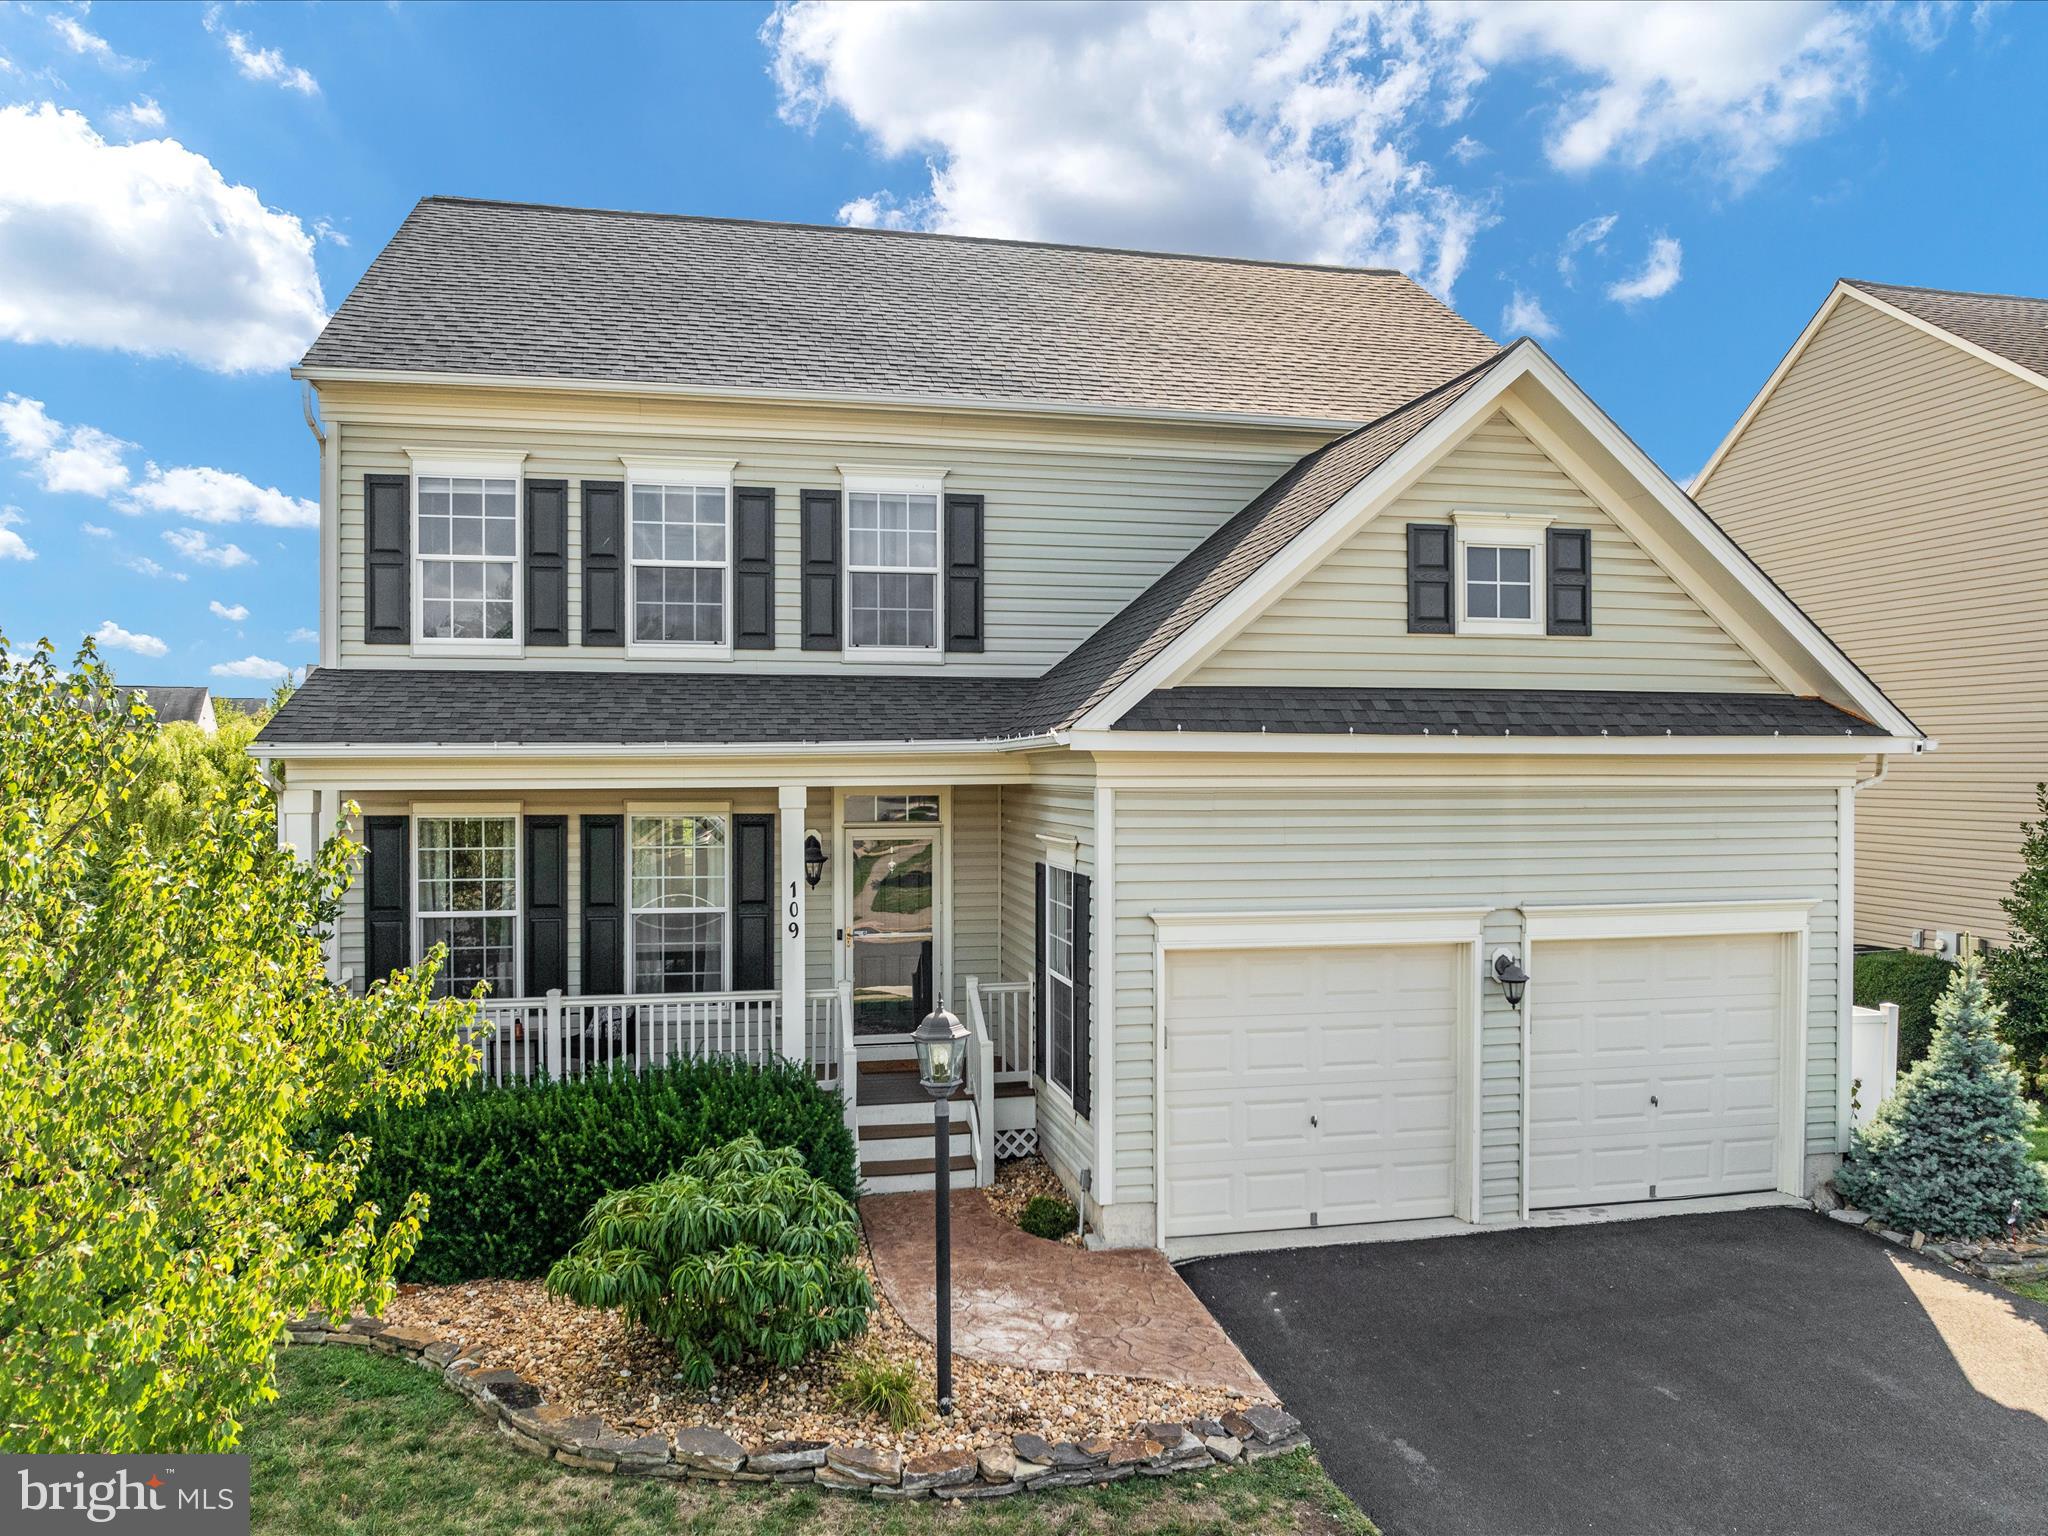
<point x="941" y="1042"/>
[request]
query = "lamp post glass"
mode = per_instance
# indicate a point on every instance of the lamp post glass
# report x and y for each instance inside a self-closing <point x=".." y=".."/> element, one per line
<point x="941" y="1042"/>
<point x="941" y="1052"/>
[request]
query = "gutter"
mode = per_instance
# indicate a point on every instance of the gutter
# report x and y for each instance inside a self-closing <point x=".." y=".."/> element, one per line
<point x="336" y="750"/>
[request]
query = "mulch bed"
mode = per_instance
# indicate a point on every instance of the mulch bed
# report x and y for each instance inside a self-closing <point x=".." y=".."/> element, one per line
<point x="1018" y="1183"/>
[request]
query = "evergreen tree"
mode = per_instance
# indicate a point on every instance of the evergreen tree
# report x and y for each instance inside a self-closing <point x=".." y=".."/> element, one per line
<point x="2019" y="972"/>
<point x="1947" y="1153"/>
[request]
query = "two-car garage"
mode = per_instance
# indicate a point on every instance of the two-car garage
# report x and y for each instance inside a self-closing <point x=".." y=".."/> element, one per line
<point x="1361" y="1078"/>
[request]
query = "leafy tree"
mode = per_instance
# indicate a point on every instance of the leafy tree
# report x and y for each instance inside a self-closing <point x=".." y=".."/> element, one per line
<point x="1915" y="980"/>
<point x="2019" y="972"/>
<point x="181" y="769"/>
<point x="167" y="1033"/>
<point x="739" y="1254"/>
<point x="1947" y="1153"/>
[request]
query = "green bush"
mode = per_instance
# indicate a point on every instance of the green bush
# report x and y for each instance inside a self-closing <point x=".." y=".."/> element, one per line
<point x="1948" y="1153"/>
<point x="1915" y="981"/>
<point x="881" y="1389"/>
<point x="738" y="1255"/>
<point x="2019" y="972"/>
<point x="511" y="1171"/>
<point x="1048" y="1216"/>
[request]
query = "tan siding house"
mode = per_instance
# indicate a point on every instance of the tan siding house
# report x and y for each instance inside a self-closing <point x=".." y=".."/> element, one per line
<point x="1893" y="478"/>
<point x="1339" y="783"/>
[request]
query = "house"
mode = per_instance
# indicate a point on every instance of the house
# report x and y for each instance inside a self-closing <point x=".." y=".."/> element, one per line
<point x="199" y="706"/>
<point x="1892" y="477"/>
<point x="1209" y="677"/>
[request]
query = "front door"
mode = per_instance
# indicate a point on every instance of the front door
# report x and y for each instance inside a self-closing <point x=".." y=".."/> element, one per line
<point x="893" y="923"/>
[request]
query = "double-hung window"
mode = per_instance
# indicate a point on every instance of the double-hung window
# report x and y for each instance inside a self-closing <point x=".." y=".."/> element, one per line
<point x="893" y="548"/>
<point x="468" y="899"/>
<point x="1057" y="924"/>
<point x="466" y="543"/>
<point x="677" y="891"/>
<point x="680" y="547"/>
<point x="1500" y="572"/>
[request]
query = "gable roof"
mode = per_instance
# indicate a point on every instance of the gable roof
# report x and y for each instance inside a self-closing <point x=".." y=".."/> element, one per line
<point x="172" y="705"/>
<point x="516" y="292"/>
<point x="2011" y="327"/>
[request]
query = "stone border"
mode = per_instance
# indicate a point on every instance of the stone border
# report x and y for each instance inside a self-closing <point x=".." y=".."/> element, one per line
<point x="1986" y="1260"/>
<point x="1024" y="1464"/>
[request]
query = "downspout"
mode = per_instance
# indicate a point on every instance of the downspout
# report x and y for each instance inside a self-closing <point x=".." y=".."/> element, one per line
<point x="1845" y="946"/>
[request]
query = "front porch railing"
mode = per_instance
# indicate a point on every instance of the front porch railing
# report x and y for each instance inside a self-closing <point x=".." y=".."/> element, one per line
<point x="522" y="1039"/>
<point x="1007" y="1005"/>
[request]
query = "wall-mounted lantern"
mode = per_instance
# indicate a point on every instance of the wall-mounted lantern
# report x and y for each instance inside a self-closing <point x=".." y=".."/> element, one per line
<point x="814" y="860"/>
<point x="1514" y="981"/>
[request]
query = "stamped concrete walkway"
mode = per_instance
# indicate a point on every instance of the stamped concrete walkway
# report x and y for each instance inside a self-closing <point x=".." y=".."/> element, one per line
<point x="1019" y="1300"/>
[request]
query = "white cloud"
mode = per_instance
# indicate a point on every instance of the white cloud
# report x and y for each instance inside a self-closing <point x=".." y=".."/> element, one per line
<point x="95" y="531"/>
<point x="114" y="638"/>
<point x="1523" y="315"/>
<point x="194" y="545"/>
<point x="26" y="427"/>
<point x="1591" y="235"/>
<point x="1658" y="277"/>
<point x="12" y="545"/>
<point x="261" y="64"/>
<point x="142" y="565"/>
<point x="304" y="636"/>
<point x="1265" y="131"/>
<point x="324" y="229"/>
<point x="89" y="44"/>
<point x="258" y="667"/>
<point x="1466" y="149"/>
<point x="142" y="115"/>
<point x="234" y="614"/>
<point x="145" y="248"/>
<point x="218" y="496"/>
<point x="79" y="459"/>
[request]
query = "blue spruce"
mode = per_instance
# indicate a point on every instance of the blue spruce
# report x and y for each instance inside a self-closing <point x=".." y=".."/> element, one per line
<point x="1947" y="1153"/>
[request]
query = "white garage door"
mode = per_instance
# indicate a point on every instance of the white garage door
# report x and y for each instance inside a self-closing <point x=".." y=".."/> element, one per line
<point x="1654" y="1069"/>
<point x="1309" y="1086"/>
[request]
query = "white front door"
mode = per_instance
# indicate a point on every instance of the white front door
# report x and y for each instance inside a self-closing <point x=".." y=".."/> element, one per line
<point x="1654" y="1068"/>
<point x="1309" y="1086"/>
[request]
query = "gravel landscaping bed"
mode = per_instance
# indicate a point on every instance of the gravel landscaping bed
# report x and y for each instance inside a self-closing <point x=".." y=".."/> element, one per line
<point x="1018" y="1183"/>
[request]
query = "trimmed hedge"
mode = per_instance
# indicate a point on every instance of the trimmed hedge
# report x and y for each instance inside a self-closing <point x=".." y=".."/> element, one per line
<point x="1915" y="981"/>
<point x="512" y="1171"/>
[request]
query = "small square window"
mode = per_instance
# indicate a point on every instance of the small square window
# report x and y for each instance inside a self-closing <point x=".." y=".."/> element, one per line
<point x="1499" y="582"/>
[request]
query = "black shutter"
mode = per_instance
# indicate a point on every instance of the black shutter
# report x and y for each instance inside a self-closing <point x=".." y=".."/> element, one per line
<point x="387" y="559"/>
<point x="1084" y="1035"/>
<point x="604" y="574"/>
<point x="1432" y="553"/>
<point x="547" y="562"/>
<point x="1569" y="582"/>
<point x="387" y="884"/>
<point x="963" y="573"/>
<point x="1040" y="1010"/>
<point x="753" y="568"/>
<point x="604" y="914"/>
<point x="546" y="900"/>
<point x="821" y="572"/>
<point x="753" y="903"/>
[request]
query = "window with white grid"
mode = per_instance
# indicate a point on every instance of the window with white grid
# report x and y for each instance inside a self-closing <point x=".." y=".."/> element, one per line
<point x="892" y="570"/>
<point x="677" y="898"/>
<point x="468" y="558"/>
<point x="679" y="551"/>
<point x="468" y="899"/>
<point x="1058" y="920"/>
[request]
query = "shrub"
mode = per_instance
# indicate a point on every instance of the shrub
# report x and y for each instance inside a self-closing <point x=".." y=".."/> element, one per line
<point x="1947" y="1153"/>
<point x="881" y="1389"/>
<point x="1915" y="981"/>
<point x="739" y="1254"/>
<point x="2019" y="972"/>
<point x="1048" y="1216"/>
<point x="511" y="1171"/>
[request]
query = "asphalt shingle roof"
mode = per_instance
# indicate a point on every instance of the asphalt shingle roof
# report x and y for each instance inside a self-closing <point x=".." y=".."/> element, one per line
<point x="2014" y="328"/>
<point x="1488" y="712"/>
<point x="667" y="300"/>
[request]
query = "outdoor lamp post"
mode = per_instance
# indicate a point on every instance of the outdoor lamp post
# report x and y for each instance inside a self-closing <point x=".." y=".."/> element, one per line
<point x="814" y="859"/>
<point x="941" y="1042"/>
<point x="1514" y="981"/>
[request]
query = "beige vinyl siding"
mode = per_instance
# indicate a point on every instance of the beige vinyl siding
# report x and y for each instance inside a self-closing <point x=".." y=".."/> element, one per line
<point x="1346" y="621"/>
<point x="1322" y="844"/>
<point x="1897" y="488"/>
<point x="1080" y="515"/>
<point x="976" y="922"/>
<point x="1058" y="803"/>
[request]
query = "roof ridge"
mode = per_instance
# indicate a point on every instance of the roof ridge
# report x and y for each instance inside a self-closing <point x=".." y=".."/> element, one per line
<point x="1948" y="293"/>
<point x="913" y="234"/>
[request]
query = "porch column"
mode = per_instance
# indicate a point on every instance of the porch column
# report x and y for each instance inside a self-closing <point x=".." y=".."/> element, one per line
<point x="791" y="802"/>
<point x="327" y="822"/>
<point x="296" y="813"/>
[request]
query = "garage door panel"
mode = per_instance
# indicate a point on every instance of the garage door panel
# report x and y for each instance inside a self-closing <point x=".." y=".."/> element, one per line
<point x="1344" y="1088"/>
<point x="1692" y="1024"/>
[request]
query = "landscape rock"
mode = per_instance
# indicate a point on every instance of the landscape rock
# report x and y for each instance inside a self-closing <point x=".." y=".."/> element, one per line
<point x="985" y="1491"/>
<point x="553" y="1424"/>
<point x="862" y="1464"/>
<point x="442" y="1352"/>
<point x="1085" y="1477"/>
<point x="1069" y="1457"/>
<point x="1032" y="1448"/>
<point x="1849" y="1216"/>
<point x="1258" y="1451"/>
<point x="939" y="1469"/>
<point x="803" y="1475"/>
<point x="709" y="1450"/>
<point x="1225" y="1448"/>
<point x="1131" y="1453"/>
<point x="628" y="1452"/>
<point x="1207" y="1427"/>
<point x="400" y="1339"/>
<point x="998" y="1464"/>
<point x="1264" y="1423"/>
<point x="1165" y="1434"/>
<point x="1182" y="1452"/>
<point x="1031" y="1471"/>
<point x="787" y="1456"/>
<point x="884" y="1491"/>
<point x="526" y="1443"/>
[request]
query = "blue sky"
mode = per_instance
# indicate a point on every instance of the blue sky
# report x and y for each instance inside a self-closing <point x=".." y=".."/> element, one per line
<point x="1662" y="192"/>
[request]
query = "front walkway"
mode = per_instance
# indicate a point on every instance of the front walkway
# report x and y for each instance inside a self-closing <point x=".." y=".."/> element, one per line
<point x="1024" y="1302"/>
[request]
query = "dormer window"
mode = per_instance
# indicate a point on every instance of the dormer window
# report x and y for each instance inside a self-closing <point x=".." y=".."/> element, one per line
<point x="893" y="553"/>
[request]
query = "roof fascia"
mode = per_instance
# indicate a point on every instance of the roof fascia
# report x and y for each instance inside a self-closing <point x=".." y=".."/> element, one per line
<point x="1770" y="386"/>
<point x="1440" y="745"/>
<point x="314" y="751"/>
<point x="318" y="375"/>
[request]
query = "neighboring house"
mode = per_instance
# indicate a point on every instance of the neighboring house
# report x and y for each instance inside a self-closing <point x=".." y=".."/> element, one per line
<point x="1196" y="672"/>
<point x="1892" y="477"/>
<point x="178" y="706"/>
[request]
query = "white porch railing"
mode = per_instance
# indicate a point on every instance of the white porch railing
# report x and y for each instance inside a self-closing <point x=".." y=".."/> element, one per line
<point x="1007" y="1005"/>
<point x="981" y="1084"/>
<point x="823" y="1048"/>
<point x="522" y="1039"/>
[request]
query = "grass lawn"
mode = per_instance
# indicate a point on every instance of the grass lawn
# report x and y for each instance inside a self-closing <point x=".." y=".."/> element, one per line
<point x="367" y="1444"/>
<point x="2039" y="1136"/>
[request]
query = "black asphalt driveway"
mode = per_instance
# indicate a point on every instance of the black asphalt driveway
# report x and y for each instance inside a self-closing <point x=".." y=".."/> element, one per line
<point x="1761" y="1371"/>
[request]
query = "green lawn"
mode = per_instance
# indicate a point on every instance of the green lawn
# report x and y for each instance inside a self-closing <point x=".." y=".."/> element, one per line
<point x="367" y="1444"/>
<point x="2039" y="1136"/>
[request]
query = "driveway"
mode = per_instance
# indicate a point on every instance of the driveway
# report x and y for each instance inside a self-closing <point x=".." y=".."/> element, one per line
<point x="1759" y="1371"/>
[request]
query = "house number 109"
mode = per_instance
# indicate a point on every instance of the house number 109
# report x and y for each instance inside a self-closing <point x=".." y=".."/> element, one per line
<point x="796" y="910"/>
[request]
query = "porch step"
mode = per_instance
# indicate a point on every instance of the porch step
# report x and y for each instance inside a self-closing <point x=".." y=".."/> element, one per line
<point x="915" y="1167"/>
<point x="906" y="1131"/>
